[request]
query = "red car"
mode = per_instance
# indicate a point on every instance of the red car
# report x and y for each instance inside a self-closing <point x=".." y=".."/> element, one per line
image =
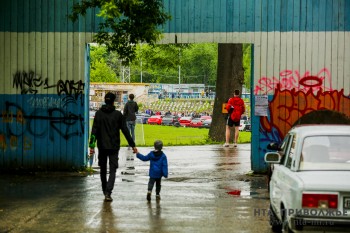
<point x="155" y="120"/>
<point x="185" y="121"/>
<point x="196" y="122"/>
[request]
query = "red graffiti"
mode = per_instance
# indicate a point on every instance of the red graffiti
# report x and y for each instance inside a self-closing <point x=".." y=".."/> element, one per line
<point x="288" y="80"/>
<point x="287" y="106"/>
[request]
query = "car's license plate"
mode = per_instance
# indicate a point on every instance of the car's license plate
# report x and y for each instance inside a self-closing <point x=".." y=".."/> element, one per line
<point x="346" y="202"/>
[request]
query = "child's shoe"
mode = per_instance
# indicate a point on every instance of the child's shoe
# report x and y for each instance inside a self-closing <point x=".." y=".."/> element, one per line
<point x="158" y="197"/>
<point x="148" y="196"/>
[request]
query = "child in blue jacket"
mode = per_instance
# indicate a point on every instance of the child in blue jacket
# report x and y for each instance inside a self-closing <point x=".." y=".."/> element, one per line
<point x="158" y="168"/>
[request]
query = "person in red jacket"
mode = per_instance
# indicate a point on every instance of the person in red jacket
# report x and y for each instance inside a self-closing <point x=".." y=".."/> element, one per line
<point x="235" y="108"/>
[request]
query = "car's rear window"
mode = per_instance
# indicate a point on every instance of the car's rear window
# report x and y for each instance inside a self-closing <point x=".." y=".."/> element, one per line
<point x="325" y="153"/>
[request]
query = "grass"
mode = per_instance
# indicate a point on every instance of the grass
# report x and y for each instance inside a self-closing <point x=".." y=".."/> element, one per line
<point x="176" y="136"/>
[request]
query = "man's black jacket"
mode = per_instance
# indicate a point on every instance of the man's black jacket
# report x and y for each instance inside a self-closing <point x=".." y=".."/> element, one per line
<point x="130" y="109"/>
<point x="106" y="129"/>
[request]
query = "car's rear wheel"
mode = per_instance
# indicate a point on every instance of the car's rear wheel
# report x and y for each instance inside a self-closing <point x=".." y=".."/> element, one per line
<point x="285" y="226"/>
<point x="274" y="221"/>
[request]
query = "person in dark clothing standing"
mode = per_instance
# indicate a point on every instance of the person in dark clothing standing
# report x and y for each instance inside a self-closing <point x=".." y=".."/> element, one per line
<point x="108" y="123"/>
<point x="158" y="168"/>
<point x="130" y="110"/>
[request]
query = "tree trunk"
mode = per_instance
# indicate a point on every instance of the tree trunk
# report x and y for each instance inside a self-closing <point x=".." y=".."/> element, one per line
<point x="230" y="76"/>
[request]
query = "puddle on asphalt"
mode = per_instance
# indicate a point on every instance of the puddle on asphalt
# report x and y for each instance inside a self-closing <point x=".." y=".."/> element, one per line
<point x="179" y="179"/>
<point x="247" y="194"/>
<point x="224" y="164"/>
<point x="126" y="180"/>
<point x="127" y="173"/>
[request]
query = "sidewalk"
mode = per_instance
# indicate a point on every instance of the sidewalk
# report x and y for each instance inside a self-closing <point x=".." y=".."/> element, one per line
<point x="208" y="190"/>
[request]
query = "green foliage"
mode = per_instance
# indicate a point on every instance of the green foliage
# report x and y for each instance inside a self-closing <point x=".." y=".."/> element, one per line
<point x="200" y="63"/>
<point x="101" y="72"/>
<point x="160" y="63"/>
<point x="104" y="65"/>
<point x="247" y="64"/>
<point x="126" y="23"/>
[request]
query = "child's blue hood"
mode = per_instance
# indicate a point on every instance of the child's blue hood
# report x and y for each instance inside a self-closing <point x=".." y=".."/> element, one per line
<point x="157" y="154"/>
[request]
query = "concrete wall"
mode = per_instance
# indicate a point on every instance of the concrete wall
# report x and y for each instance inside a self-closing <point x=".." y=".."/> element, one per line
<point x="301" y="62"/>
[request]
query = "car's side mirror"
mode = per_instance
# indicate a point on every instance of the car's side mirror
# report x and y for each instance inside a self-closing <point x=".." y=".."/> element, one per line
<point x="272" y="157"/>
<point x="273" y="146"/>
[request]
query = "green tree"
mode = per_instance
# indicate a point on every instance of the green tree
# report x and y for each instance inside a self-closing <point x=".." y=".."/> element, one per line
<point x="159" y="62"/>
<point x="247" y="49"/>
<point x="126" y="23"/>
<point x="199" y="64"/>
<point x="230" y="77"/>
<point x="100" y="71"/>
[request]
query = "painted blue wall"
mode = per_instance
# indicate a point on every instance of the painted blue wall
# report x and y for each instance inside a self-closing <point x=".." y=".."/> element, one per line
<point x="41" y="131"/>
<point x="190" y="16"/>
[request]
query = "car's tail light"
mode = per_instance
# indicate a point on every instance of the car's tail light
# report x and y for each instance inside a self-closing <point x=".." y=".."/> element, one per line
<point x="315" y="200"/>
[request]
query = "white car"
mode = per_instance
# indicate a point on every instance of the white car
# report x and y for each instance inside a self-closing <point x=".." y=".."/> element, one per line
<point x="242" y="125"/>
<point x="310" y="182"/>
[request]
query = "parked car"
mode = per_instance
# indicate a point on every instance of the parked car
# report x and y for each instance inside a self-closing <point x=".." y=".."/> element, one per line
<point x="142" y="118"/>
<point x="203" y="118"/>
<point x="310" y="179"/>
<point x="206" y="123"/>
<point x="195" y="122"/>
<point x="185" y="121"/>
<point x="92" y="114"/>
<point x="155" y="120"/>
<point x="243" y="125"/>
<point x="168" y="120"/>
<point x="248" y="127"/>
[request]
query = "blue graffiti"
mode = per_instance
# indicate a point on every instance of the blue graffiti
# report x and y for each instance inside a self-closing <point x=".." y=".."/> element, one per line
<point x="40" y="123"/>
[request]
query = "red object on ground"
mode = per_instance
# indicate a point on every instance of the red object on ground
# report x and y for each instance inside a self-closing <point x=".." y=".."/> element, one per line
<point x="235" y="192"/>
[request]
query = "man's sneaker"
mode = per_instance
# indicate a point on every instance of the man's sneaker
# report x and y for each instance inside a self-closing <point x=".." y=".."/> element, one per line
<point x="148" y="196"/>
<point x="235" y="145"/>
<point x="108" y="197"/>
<point x="226" y="145"/>
<point x="157" y="197"/>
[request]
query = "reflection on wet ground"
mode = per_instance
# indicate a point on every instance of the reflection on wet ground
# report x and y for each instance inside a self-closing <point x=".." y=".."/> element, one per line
<point x="209" y="189"/>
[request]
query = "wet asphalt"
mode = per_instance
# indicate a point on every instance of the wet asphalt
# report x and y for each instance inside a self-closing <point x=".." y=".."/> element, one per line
<point x="209" y="189"/>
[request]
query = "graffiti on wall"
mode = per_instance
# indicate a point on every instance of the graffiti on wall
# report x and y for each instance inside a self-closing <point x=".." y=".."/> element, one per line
<point x="294" y="96"/>
<point x="30" y="83"/>
<point x="287" y="106"/>
<point x="54" y="122"/>
<point x="289" y="79"/>
<point x="36" y="117"/>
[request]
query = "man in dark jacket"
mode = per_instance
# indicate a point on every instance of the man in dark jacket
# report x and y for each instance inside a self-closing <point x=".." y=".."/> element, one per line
<point x="130" y="110"/>
<point x="106" y="131"/>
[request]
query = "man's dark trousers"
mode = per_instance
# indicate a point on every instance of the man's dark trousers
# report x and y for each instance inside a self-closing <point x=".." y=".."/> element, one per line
<point x="112" y="157"/>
